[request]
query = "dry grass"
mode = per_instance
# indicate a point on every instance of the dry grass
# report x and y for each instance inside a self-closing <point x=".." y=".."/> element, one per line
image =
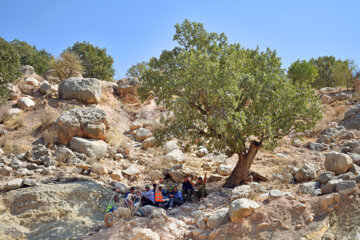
<point x="334" y="113"/>
<point x="14" y="146"/>
<point x="15" y="122"/>
<point x="46" y="121"/>
<point x="50" y="136"/>
<point x="115" y="137"/>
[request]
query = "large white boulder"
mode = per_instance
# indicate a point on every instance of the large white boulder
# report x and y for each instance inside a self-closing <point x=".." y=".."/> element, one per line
<point x="337" y="162"/>
<point x="82" y="122"/>
<point x="176" y="156"/>
<point x="241" y="208"/>
<point x="86" y="90"/>
<point x="90" y="147"/>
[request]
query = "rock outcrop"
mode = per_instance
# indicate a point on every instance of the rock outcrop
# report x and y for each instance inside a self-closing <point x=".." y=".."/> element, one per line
<point x="86" y="90"/>
<point x="127" y="89"/>
<point x="85" y="122"/>
<point x="90" y="147"/>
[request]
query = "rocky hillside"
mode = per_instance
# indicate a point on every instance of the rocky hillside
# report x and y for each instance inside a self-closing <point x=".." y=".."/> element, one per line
<point x="65" y="146"/>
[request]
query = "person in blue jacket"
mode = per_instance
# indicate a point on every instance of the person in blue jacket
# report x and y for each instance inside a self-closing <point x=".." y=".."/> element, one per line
<point x="175" y="196"/>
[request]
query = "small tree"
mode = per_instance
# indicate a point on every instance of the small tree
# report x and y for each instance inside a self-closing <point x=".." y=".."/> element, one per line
<point x="67" y="65"/>
<point x="97" y="64"/>
<point x="137" y="70"/>
<point x="231" y="99"/>
<point x="302" y="72"/>
<point x="9" y="67"/>
<point x="29" y="55"/>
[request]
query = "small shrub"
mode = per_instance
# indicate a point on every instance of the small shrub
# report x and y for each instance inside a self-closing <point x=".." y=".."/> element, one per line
<point x="50" y="136"/>
<point x="67" y="65"/>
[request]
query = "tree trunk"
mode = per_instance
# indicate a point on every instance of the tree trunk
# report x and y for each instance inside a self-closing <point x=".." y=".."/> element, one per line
<point x="240" y="174"/>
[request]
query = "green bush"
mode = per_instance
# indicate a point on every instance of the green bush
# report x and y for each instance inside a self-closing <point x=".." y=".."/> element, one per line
<point x="302" y="72"/>
<point x="9" y="67"/>
<point x="29" y="55"/>
<point x="96" y="63"/>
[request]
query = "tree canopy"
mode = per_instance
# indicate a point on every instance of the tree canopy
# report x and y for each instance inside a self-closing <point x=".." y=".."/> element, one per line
<point x="332" y="72"/>
<point x="228" y="98"/>
<point x="302" y="72"/>
<point x="96" y="62"/>
<point x="29" y="55"/>
<point x="9" y="67"/>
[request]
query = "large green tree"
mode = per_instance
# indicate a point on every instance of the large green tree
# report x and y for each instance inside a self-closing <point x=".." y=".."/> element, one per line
<point x="96" y="62"/>
<point x="332" y="72"/>
<point x="9" y="67"/>
<point x="302" y="72"/>
<point x="29" y="55"/>
<point x="231" y="99"/>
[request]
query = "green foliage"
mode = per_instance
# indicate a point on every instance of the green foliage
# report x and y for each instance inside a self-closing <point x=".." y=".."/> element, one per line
<point x="331" y="72"/>
<point x="302" y="72"/>
<point x="223" y="95"/>
<point x="9" y="67"/>
<point x="137" y="70"/>
<point x="29" y="55"/>
<point x="97" y="64"/>
<point x="67" y="65"/>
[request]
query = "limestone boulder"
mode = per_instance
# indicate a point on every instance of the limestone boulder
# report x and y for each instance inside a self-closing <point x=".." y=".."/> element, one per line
<point x="64" y="154"/>
<point x="127" y="89"/>
<point x="176" y="156"/>
<point x="86" y="90"/>
<point x="142" y="134"/>
<point x="5" y="171"/>
<point x="31" y="81"/>
<point x="27" y="70"/>
<point x="90" y="147"/>
<point x="218" y="218"/>
<point x="242" y="208"/>
<point x="148" y="143"/>
<point x="116" y="175"/>
<point x="337" y="162"/>
<point x="98" y="169"/>
<point x="351" y="118"/>
<point x="14" y="184"/>
<point x="242" y="191"/>
<point x="224" y="170"/>
<point x="82" y="122"/>
<point x="306" y="173"/>
<point x="170" y="146"/>
<point x="45" y="88"/>
<point x="132" y="170"/>
<point x="25" y="103"/>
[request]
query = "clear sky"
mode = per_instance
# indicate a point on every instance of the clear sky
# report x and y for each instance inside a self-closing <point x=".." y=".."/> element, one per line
<point x="133" y="31"/>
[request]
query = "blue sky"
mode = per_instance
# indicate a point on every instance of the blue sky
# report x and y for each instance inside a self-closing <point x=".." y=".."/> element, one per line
<point x="133" y="31"/>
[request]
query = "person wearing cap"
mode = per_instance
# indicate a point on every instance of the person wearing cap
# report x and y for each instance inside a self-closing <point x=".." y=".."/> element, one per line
<point x="175" y="196"/>
<point x="147" y="197"/>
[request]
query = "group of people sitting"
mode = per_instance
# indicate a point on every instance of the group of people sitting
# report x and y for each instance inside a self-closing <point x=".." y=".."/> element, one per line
<point x="170" y="198"/>
<point x="160" y="197"/>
